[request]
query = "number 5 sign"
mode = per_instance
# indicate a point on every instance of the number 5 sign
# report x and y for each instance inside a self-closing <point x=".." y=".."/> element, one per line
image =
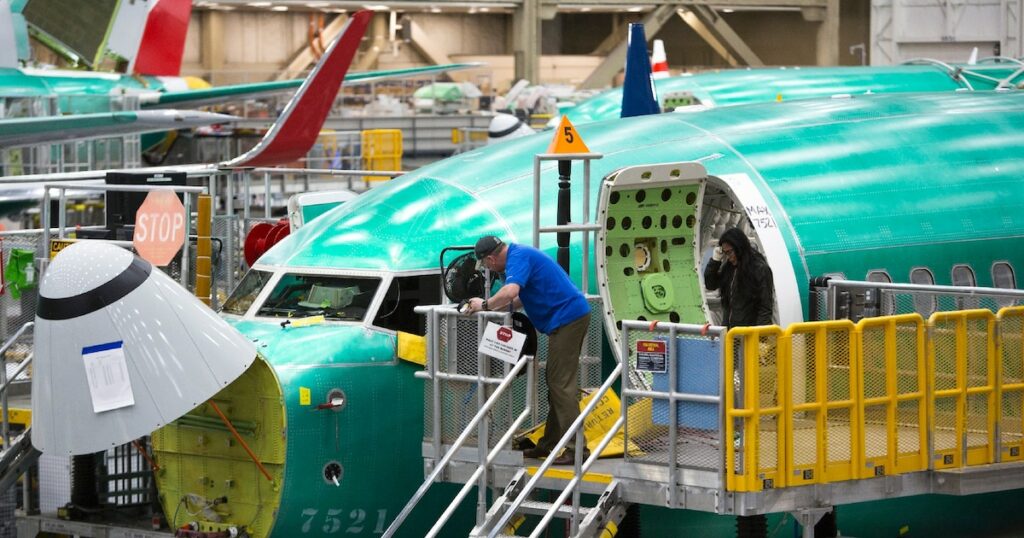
<point x="567" y="139"/>
<point x="159" y="227"/>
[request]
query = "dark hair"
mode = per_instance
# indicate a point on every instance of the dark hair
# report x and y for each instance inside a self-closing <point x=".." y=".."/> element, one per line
<point x="745" y="253"/>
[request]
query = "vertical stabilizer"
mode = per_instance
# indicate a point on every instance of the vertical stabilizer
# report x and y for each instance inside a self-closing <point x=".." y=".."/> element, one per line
<point x="296" y="130"/>
<point x="163" y="40"/>
<point x="659" y="61"/>
<point x="638" y="97"/>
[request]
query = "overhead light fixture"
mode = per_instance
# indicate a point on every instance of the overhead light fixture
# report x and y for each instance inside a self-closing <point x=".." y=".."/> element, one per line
<point x="484" y="9"/>
<point x="635" y="9"/>
<point x="376" y="7"/>
<point x="728" y="10"/>
<point x="585" y="9"/>
<point x="435" y="9"/>
<point x="259" y="4"/>
<point x="317" y="4"/>
<point x="279" y="8"/>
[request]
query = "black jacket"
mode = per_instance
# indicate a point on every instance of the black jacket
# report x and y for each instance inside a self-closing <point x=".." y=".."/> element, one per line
<point x="743" y="305"/>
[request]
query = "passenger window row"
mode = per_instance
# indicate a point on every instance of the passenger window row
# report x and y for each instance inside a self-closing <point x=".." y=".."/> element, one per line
<point x="962" y="274"/>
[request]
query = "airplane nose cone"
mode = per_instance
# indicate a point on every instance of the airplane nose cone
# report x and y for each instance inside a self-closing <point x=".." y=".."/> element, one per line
<point x="121" y="350"/>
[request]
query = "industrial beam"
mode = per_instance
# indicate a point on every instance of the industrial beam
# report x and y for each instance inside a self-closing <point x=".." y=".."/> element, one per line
<point x="605" y="72"/>
<point x="211" y="43"/>
<point x="422" y="43"/>
<point x="652" y="3"/>
<point x="617" y="36"/>
<point x="304" y="57"/>
<point x="710" y="25"/>
<point x="526" y="35"/>
<point x="378" y="41"/>
<point x="828" y="31"/>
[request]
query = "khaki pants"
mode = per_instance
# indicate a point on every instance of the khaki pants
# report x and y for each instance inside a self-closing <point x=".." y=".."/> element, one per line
<point x="564" y="346"/>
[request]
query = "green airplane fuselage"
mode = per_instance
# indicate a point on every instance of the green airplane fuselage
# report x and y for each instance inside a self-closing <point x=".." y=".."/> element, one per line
<point x="852" y="185"/>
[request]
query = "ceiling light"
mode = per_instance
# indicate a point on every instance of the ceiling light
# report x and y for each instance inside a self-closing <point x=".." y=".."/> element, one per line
<point x="728" y="10"/>
<point x="635" y="9"/>
<point x="376" y="7"/>
<point x="259" y="4"/>
<point x="317" y="4"/>
<point x="279" y="8"/>
<point x="435" y="9"/>
<point x="484" y="9"/>
<point x="585" y="9"/>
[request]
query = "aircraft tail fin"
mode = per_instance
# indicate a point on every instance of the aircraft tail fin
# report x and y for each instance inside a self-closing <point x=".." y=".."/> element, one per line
<point x="638" y="96"/>
<point x="296" y="130"/>
<point x="163" y="40"/>
<point x="659" y="61"/>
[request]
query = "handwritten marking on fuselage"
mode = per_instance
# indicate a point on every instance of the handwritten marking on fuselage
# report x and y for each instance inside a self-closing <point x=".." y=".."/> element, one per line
<point x="332" y="521"/>
<point x="760" y="216"/>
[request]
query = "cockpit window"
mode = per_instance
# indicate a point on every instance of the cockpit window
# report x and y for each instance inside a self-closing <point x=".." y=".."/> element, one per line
<point x="246" y="291"/>
<point x="340" y="298"/>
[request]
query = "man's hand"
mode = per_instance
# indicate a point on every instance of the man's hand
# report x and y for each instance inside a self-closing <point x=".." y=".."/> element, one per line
<point x="474" y="305"/>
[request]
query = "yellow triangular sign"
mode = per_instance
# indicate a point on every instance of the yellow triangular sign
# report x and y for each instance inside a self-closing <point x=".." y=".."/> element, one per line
<point x="566" y="139"/>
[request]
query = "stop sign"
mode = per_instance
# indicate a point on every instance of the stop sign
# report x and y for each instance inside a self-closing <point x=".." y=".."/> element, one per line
<point x="159" y="227"/>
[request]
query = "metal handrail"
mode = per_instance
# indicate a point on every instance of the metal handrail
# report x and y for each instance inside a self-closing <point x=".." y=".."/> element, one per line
<point x="574" y="430"/>
<point x="525" y="361"/>
<point x="4" y="382"/>
<point x="954" y="72"/>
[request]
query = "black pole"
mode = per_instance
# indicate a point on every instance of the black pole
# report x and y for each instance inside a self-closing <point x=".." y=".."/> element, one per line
<point x="563" y="218"/>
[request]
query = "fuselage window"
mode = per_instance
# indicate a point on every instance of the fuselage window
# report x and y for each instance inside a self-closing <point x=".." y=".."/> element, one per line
<point x="405" y="294"/>
<point x="924" y="303"/>
<point x="887" y="303"/>
<point x="879" y="276"/>
<point x="1003" y="277"/>
<point x="246" y="291"/>
<point x="963" y="275"/>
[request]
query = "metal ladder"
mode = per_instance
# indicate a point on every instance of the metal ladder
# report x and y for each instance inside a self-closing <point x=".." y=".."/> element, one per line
<point x="584" y="522"/>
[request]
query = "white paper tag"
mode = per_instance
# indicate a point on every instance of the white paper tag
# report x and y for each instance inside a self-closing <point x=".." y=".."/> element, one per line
<point x="502" y="342"/>
<point x="107" y="372"/>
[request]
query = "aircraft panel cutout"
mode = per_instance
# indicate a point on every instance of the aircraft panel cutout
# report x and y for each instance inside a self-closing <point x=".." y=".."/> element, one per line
<point x="648" y="268"/>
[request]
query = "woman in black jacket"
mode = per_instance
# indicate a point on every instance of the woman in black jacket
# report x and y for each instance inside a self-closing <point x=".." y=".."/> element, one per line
<point x="745" y="280"/>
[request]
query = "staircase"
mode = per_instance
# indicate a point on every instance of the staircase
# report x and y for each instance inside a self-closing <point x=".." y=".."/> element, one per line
<point x="586" y="521"/>
<point x="16" y="459"/>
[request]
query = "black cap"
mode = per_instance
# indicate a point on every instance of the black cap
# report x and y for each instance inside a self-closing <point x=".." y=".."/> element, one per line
<point x="485" y="246"/>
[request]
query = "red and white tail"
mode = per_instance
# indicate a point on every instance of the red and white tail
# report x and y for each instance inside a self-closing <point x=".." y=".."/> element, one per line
<point x="295" y="132"/>
<point x="659" y="62"/>
<point x="163" y="39"/>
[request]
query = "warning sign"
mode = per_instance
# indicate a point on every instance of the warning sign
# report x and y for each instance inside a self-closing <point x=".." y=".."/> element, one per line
<point x="159" y="227"/>
<point x="502" y="342"/>
<point x="651" y="356"/>
<point x="566" y="139"/>
<point x="57" y="245"/>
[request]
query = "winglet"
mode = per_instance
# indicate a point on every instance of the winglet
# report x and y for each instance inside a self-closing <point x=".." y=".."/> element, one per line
<point x="163" y="40"/>
<point x="296" y="130"/>
<point x="638" y="97"/>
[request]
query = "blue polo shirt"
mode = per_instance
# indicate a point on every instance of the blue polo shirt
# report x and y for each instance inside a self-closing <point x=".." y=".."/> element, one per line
<point x="550" y="299"/>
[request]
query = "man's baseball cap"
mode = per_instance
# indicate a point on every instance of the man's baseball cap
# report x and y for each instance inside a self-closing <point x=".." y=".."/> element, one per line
<point x="485" y="246"/>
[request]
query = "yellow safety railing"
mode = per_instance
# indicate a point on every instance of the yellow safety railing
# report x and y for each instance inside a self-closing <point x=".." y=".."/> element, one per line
<point x="755" y="402"/>
<point x="1010" y="391"/>
<point x="831" y="401"/>
<point x="822" y="428"/>
<point x="892" y="396"/>
<point x="382" y="150"/>
<point x="961" y="357"/>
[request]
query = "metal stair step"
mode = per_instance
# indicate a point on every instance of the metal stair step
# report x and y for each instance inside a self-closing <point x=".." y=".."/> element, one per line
<point x="539" y="508"/>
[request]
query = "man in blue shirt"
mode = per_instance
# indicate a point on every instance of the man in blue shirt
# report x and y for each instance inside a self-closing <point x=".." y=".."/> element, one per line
<point x="558" y="309"/>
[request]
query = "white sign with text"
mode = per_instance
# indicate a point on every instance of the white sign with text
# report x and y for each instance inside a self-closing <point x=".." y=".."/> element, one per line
<point x="502" y="342"/>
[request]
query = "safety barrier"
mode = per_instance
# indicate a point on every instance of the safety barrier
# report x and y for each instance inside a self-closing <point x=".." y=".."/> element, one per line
<point x="382" y="150"/>
<point x="832" y="401"/>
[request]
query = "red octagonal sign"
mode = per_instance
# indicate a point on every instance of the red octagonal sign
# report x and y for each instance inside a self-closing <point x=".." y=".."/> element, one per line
<point x="159" y="227"/>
